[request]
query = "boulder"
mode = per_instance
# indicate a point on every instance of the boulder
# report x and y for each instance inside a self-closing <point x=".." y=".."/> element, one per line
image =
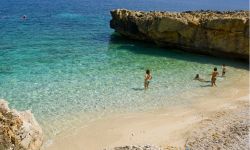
<point x="18" y="130"/>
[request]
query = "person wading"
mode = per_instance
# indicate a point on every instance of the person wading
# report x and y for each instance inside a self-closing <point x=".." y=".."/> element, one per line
<point x="148" y="78"/>
<point x="214" y="74"/>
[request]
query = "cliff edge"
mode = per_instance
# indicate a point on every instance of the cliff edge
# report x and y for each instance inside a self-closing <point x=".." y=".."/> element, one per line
<point x="207" y="32"/>
<point x="18" y="130"/>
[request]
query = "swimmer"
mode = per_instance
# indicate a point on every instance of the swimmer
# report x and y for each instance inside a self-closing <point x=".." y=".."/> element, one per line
<point x="147" y="79"/>
<point x="24" y="17"/>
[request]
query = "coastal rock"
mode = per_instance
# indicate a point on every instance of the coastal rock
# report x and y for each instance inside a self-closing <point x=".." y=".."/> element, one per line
<point x="18" y="130"/>
<point x="206" y="32"/>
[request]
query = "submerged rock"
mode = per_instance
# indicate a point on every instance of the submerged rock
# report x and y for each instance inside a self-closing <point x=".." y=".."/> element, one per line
<point x="207" y="32"/>
<point x="18" y="130"/>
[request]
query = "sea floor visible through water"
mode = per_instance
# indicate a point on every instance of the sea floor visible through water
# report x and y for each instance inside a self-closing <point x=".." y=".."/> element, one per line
<point x="65" y="64"/>
<point x="167" y="127"/>
<point x="63" y="92"/>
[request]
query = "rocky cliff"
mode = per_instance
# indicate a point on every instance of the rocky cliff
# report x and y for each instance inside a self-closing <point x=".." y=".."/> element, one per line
<point x="207" y="32"/>
<point x="18" y="130"/>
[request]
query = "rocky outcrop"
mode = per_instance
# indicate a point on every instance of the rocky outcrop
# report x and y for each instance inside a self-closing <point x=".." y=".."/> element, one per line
<point x="18" y="130"/>
<point x="206" y="32"/>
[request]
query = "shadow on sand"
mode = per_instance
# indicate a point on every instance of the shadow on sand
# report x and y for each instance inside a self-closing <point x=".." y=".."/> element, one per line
<point x="138" y="89"/>
<point x="205" y="85"/>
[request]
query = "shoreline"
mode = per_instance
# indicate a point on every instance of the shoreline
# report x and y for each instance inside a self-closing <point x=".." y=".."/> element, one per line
<point x="165" y="128"/>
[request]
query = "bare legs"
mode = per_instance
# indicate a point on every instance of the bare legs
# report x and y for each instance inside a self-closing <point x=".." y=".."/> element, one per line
<point x="146" y="83"/>
<point x="213" y="82"/>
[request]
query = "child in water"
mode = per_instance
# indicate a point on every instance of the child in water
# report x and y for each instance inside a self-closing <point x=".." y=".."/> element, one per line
<point x="147" y="79"/>
<point x="214" y="74"/>
<point x="223" y="70"/>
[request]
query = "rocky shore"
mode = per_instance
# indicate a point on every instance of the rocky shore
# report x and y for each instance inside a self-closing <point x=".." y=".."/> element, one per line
<point x="18" y="130"/>
<point x="224" y="34"/>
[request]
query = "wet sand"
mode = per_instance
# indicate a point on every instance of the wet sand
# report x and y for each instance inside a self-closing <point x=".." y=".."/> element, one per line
<point x="169" y="128"/>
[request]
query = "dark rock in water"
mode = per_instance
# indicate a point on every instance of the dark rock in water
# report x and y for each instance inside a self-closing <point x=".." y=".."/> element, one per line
<point x="216" y="33"/>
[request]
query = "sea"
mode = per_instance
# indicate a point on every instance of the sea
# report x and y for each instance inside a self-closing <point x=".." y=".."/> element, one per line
<point x="61" y="60"/>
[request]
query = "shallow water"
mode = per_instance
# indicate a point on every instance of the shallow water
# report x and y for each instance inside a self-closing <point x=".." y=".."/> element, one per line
<point x="64" y="60"/>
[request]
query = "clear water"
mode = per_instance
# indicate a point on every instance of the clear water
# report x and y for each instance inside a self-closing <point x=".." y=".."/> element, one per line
<point x="64" y="60"/>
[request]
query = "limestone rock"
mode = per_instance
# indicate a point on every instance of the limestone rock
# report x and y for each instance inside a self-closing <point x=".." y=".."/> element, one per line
<point x="207" y="32"/>
<point x="18" y="130"/>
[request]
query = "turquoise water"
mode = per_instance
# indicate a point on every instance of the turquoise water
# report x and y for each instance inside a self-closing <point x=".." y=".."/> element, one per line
<point x="64" y="60"/>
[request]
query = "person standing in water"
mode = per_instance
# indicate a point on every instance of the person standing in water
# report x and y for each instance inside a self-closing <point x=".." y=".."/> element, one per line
<point x="223" y="70"/>
<point x="147" y="79"/>
<point x="214" y="74"/>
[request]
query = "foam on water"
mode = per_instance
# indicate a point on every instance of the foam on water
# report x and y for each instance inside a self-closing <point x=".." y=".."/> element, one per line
<point x="63" y="62"/>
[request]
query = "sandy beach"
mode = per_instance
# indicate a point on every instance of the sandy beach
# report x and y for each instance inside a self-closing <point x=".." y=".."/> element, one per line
<point x="171" y="128"/>
<point x="73" y="74"/>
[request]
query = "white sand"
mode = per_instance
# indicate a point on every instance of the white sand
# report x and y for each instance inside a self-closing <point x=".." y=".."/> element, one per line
<point x="171" y="126"/>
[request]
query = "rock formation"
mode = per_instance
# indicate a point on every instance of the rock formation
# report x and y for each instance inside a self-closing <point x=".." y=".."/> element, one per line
<point x="18" y="130"/>
<point x="206" y="32"/>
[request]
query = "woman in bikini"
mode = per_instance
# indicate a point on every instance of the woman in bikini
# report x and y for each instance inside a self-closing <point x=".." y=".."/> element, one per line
<point x="147" y="79"/>
<point x="214" y="74"/>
